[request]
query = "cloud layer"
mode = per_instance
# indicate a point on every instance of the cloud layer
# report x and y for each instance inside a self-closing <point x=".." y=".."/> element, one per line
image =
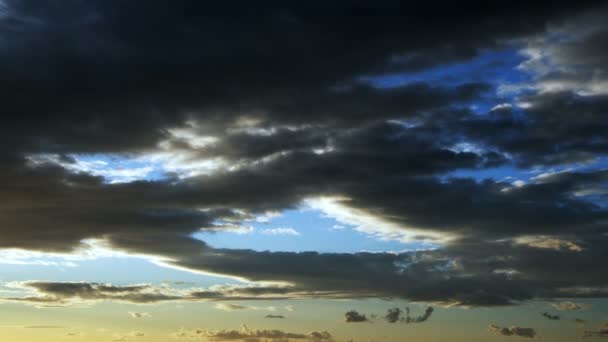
<point x="302" y="107"/>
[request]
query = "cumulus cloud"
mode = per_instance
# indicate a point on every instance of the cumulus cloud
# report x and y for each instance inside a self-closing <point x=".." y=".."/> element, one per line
<point x="512" y="331"/>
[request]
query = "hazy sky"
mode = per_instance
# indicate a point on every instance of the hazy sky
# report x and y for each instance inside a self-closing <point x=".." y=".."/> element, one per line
<point x="303" y="171"/>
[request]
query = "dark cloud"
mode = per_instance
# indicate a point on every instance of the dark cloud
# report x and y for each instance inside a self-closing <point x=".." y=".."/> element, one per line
<point x="353" y="316"/>
<point x="393" y="315"/>
<point x="279" y="89"/>
<point x="550" y="316"/>
<point x="513" y="331"/>
<point x="275" y="316"/>
<point x="418" y="319"/>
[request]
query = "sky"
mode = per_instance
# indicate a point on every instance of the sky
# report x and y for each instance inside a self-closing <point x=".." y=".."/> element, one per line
<point x="319" y="171"/>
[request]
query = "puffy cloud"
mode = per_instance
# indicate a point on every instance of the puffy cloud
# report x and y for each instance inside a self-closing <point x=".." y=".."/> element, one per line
<point x="569" y="306"/>
<point x="393" y="315"/>
<point x="353" y="316"/>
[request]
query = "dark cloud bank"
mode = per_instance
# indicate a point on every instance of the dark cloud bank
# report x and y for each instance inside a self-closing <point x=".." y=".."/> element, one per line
<point x="276" y="83"/>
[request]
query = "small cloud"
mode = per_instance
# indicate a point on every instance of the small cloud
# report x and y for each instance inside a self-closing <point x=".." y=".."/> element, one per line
<point x="274" y="316"/>
<point x="501" y="106"/>
<point x="419" y="319"/>
<point x="580" y="323"/>
<point x="230" y="307"/>
<point x="556" y="244"/>
<point x="601" y="332"/>
<point x="354" y="317"/>
<point x="396" y="315"/>
<point x="236" y="307"/>
<point x="289" y="308"/>
<point x="126" y="337"/>
<point x="139" y="314"/>
<point x="393" y="315"/>
<point x="569" y="306"/>
<point x="280" y="231"/>
<point x="550" y="316"/>
<point x="512" y="331"/>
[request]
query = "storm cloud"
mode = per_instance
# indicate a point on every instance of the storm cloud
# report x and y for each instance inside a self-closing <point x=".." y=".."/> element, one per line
<point x="259" y="108"/>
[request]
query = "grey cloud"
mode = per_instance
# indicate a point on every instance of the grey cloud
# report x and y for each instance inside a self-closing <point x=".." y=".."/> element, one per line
<point x="103" y="76"/>
<point x="418" y="319"/>
<point x="513" y="331"/>
<point x="550" y="316"/>
<point x="353" y="316"/>
<point x="275" y="316"/>
<point x="246" y="334"/>
<point x="393" y="315"/>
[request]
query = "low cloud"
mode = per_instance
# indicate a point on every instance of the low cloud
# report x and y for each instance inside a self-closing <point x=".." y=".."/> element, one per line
<point x="418" y="319"/>
<point x="67" y="293"/>
<point x="569" y="306"/>
<point x="139" y="314"/>
<point x="512" y="331"/>
<point x="355" y="317"/>
<point x="550" y="316"/>
<point x="34" y="326"/>
<point x="580" y="323"/>
<point x="250" y="335"/>
<point x="393" y="315"/>
<point x="128" y="336"/>
<point x="601" y="332"/>
<point x="236" y="307"/>
<point x="274" y="316"/>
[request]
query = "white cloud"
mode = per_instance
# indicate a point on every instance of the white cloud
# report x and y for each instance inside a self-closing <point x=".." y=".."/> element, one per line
<point x="367" y="223"/>
<point x="280" y="231"/>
